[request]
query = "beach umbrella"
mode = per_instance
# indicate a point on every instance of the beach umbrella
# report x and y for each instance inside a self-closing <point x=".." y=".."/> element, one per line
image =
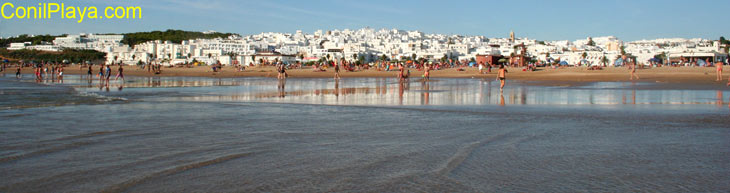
<point x="563" y="63"/>
<point x="471" y="64"/>
<point x="502" y="60"/>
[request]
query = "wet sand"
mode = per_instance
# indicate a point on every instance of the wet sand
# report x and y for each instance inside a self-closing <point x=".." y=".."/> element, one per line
<point x="183" y="134"/>
<point x="704" y="75"/>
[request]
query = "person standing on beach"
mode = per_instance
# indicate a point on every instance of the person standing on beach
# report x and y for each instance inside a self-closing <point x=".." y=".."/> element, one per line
<point x="632" y="68"/>
<point x="719" y="71"/>
<point x="101" y="72"/>
<point x="337" y="69"/>
<point x="400" y="71"/>
<point x="501" y="77"/>
<point x="108" y="73"/>
<point x="88" y="73"/>
<point x="120" y="73"/>
<point x="60" y="74"/>
<point x="426" y="71"/>
<point x="481" y="68"/>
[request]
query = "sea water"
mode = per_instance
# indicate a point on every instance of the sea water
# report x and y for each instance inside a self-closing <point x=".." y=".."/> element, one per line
<point x="182" y="134"/>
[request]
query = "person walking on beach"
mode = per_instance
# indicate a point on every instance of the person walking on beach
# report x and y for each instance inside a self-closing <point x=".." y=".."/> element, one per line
<point x="719" y="71"/>
<point x="120" y="73"/>
<point x="17" y="72"/>
<point x="501" y="76"/>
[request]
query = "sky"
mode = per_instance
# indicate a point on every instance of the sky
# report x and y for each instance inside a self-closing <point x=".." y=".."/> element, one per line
<point x="548" y="20"/>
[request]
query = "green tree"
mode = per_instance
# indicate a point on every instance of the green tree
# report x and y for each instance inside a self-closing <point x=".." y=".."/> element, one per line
<point x="724" y="41"/>
<point x="584" y="55"/>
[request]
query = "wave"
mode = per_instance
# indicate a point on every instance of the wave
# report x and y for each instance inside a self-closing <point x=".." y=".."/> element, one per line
<point x="63" y="146"/>
<point x="179" y="169"/>
<point x="462" y="153"/>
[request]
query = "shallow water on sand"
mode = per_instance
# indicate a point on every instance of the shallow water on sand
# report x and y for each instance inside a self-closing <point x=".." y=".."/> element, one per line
<point x="177" y="134"/>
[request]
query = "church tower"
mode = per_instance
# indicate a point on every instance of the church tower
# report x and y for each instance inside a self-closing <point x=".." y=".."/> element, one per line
<point x="511" y="36"/>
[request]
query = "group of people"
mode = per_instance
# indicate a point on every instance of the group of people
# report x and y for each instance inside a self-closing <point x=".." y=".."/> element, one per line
<point x="54" y="71"/>
<point x="105" y="72"/>
<point x="281" y="69"/>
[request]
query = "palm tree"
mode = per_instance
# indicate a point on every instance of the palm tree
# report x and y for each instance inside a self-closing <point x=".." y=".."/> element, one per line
<point x="604" y="60"/>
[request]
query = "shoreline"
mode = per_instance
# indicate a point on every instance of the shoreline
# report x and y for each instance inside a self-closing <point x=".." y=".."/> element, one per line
<point x="704" y="75"/>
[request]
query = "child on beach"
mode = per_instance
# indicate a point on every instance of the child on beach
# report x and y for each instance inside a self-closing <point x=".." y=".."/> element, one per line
<point x="502" y="75"/>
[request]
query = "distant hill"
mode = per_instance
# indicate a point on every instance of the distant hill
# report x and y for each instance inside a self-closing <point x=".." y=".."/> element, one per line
<point x="27" y="38"/>
<point x="175" y="36"/>
<point x="72" y="55"/>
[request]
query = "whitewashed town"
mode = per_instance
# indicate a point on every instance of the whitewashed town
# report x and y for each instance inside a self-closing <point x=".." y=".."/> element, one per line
<point x="369" y="45"/>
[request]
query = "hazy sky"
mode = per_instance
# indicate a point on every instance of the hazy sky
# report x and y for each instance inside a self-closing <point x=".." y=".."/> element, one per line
<point x="536" y="19"/>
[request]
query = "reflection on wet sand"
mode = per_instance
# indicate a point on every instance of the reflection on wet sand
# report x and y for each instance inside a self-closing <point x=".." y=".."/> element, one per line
<point x="389" y="91"/>
<point x="501" y="99"/>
